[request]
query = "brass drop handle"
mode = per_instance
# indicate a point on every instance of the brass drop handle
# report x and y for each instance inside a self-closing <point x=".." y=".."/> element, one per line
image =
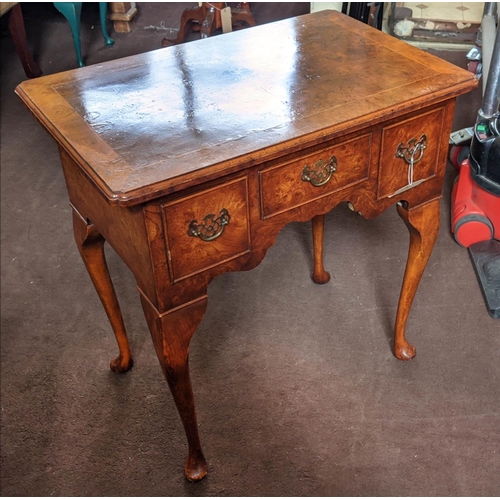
<point x="211" y="227"/>
<point x="321" y="173"/>
<point x="413" y="152"/>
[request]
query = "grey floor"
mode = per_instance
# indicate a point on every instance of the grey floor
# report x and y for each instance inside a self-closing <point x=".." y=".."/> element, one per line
<point x="297" y="390"/>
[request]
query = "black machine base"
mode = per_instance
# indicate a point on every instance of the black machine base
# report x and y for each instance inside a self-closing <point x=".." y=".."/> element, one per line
<point x="486" y="258"/>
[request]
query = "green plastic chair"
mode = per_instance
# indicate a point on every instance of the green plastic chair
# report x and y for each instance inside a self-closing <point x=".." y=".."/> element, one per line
<point x="72" y="12"/>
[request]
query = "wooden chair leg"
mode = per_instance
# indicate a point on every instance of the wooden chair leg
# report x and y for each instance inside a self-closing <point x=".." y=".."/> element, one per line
<point x="319" y="276"/>
<point x="171" y="333"/>
<point x="18" y="32"/>
<point x="207" y="20"/>
<point x="190" y="16"/>
<point x="423" y="225"/>
<point x="90" y="244"/>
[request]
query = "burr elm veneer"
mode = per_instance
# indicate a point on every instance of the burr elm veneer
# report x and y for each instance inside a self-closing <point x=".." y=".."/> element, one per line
<point x="190" y="160"/>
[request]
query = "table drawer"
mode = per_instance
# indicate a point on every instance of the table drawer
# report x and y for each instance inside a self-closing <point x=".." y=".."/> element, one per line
<point x="418" y="137"/>
<point x="298" y="182"/>
<point x="207" y="228"/>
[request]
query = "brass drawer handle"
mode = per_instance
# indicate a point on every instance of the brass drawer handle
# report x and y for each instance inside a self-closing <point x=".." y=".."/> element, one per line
<point x="321" y="173"/>
<point x="413" y="152"/>
<point x="211" y="227"/>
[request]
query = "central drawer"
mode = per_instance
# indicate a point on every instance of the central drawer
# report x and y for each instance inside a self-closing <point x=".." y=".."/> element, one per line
<point x="295" y="183"/>
<point x="207" y="228"/>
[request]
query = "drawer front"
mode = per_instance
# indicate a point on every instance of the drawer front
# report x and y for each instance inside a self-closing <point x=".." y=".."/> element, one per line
<point x="207" y="228"/>
<point x="296" y="183"/>
<point x="410" y="151"/>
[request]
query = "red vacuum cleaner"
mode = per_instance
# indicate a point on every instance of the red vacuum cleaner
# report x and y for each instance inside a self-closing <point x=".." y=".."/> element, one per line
<point x="475" y="213"/>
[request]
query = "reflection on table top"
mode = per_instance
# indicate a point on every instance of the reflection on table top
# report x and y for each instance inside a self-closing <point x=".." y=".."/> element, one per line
<point x="159" y="118"/>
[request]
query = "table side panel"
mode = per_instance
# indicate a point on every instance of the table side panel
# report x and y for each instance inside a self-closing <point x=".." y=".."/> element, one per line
<point x="122" y="227"/>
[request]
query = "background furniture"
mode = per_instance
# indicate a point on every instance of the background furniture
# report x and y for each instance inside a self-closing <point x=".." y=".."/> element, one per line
<point x="16" y="28"/>
<point x="72" y="12"/>
<point x="452" y="22"/>
<point x="122" y="15"/>
<point x="207" y="20"/>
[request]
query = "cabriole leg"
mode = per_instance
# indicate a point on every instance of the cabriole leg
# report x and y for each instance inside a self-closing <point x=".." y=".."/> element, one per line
<point x="90" y="244"/>
<point x="423" y="225"/>
<point x="319" y="276"/>
<point x="171" y="333"/>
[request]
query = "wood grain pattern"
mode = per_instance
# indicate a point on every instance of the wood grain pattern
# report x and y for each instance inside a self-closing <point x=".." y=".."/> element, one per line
<point x="188" y="254"/>
<point x="157" y="144"/>
<point x="223" y="113"/>
<point x="393" y="170"/>
<point x="282" y="187"/>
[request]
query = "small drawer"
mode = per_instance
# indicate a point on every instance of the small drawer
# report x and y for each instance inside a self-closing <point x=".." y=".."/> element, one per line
<point x="298" y="182"/>
<point x="207" y="228"/>
<point x="415" y="141"/>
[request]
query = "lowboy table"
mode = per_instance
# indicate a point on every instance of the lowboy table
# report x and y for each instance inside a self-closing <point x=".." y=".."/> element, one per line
<point x="190" y="160"/>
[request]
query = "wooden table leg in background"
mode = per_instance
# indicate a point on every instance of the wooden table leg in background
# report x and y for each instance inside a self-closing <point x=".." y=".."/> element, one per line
<point x="319" y="276"/>
<point x="122" y="14"/>
<point x="18" y="32"/>
<point x="423" y="225"/>
<point x="207" y="19"/>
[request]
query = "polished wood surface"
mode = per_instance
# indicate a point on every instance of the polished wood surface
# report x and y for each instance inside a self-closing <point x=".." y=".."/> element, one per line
<point x="189" y="160"/>
<point x="280" y="87"/>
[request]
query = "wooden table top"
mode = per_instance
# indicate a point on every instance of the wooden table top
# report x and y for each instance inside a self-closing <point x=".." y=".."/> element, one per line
<point x="154" y="123"/>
